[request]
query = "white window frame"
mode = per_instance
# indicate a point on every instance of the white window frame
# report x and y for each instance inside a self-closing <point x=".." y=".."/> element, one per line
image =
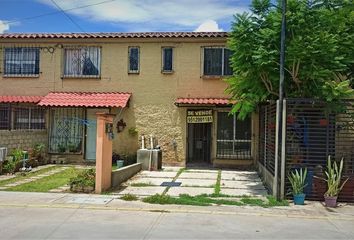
<point x="21" y="62"/>
<point x="77" y="74"/>
<point x="138" y="70"/>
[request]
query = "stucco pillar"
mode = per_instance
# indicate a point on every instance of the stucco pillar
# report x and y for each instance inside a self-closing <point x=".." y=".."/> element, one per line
<point x="103" y="152"/>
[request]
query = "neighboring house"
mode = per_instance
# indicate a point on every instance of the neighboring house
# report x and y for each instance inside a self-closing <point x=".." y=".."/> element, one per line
<point x="168" y="84"/>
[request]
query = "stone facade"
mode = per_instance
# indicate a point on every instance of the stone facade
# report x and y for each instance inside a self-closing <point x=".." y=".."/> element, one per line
<point x="23" y="139"/>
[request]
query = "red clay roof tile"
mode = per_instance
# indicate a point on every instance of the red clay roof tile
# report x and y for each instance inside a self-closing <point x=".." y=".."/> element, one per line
<point x="20" y="99"/>
<point x="116" y="35"/>
<point x="202" y="101"/>
<point x="85" y="99"/>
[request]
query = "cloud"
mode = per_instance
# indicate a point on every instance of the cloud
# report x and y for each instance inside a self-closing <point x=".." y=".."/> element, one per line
<point x="182" y="13"/>
<point x="4" y="26"/>
<point x="209" y="26"/>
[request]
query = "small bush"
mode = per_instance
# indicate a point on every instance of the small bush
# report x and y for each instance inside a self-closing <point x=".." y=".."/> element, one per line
<point x="84" y="180"/>
<point x="129" y="197"/>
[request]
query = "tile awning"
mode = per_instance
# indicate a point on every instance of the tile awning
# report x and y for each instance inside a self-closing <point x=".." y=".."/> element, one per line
<point x="20" y="99"/>
<point x="203" y="101"/>
<point x="85" y="99"/>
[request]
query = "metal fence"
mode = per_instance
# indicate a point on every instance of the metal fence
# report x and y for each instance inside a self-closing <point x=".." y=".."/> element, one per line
<point x="314" y="131"/>
<point x="267" y="131"/>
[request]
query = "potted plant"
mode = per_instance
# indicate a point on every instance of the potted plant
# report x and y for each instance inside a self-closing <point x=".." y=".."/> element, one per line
<point x="72" y="147"/>
<point x="61" y="148"/>
<point x="297" y="181"/>
<point x="333" y="179"/>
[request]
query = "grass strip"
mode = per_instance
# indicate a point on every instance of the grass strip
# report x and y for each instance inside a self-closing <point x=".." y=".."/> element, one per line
<point x="180" y="171"/>
<point x="47" y="183"/>
<point x="217" y="187"/>
<point x="129" y="197"/>
<point x="205" y="200"/>
<point x="20" y="177"/>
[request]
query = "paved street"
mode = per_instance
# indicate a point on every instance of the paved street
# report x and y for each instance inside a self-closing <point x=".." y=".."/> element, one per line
<point x="61" y="223"/>
<point x="80" y="216"/>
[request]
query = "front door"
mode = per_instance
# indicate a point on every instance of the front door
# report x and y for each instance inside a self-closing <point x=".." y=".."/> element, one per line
<point x="91" y="133"/>
<point x="199" y="142"/>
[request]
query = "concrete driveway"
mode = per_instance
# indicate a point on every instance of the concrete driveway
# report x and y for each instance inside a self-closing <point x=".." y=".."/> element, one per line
<point x="194" y="182"/>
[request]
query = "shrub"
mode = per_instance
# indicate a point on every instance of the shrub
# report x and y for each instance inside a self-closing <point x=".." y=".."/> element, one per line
<point x="85" y="179"/>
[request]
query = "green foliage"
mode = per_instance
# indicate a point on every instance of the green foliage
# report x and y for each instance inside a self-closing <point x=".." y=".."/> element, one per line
<point x="132" y="131"/>
<point x="10" y="166"/>
<point x="207" y="200"/>
<point x="319" y="52"/>
<point x="129" y="197"/>
<point x="85" y="178"/>
<point x="297" y="181"/>
<point x="17" y="154"/>
<point x="334" y="177"/>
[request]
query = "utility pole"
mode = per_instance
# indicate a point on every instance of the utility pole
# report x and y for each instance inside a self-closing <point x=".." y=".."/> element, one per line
<point x="281" y="87"/>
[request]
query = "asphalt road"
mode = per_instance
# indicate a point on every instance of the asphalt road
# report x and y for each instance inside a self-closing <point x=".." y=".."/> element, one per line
<point x="65" y="223"/>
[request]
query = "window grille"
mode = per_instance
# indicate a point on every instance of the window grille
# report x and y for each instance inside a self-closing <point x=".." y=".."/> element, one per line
<point x="4" y="117"/>
<point x="21" y="117"/>
<point x="167" y="59"/>
<point x="66" y="132"/>
<point x="82" y="62"/>
<point x="233" y="137"/>
<point x="28" y="118"/>
<point x="21" y="61"/>
<point x="134" y="59"/>
<point x="217" y="61"/>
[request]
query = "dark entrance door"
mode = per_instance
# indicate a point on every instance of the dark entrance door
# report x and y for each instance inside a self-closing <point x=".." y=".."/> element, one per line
<point x="199" y="142"/>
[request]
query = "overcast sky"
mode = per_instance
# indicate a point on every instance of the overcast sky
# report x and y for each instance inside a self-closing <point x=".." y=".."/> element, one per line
<point x="118" y="15"/>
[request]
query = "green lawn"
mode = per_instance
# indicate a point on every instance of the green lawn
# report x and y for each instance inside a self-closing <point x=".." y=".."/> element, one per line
<point x="29" y="174"/>
<point x="47" y="183"/>
<point x="205" y="200"/>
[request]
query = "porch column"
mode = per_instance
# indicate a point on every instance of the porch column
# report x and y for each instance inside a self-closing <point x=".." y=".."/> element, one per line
<point x="104" y="151"/>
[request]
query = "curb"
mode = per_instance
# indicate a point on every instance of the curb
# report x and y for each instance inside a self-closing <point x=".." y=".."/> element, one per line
<point x="172" y="210"/>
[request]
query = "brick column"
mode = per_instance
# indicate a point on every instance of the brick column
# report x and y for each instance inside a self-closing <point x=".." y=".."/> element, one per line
<point x="103" y="153"/>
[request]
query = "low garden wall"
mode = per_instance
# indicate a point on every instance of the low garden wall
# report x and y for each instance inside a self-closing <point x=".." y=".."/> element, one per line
<point x="123" y="174"/>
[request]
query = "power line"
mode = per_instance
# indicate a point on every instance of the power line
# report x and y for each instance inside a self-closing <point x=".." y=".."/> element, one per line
<point x="57" y="12"/>
<point x="67" y="15"/>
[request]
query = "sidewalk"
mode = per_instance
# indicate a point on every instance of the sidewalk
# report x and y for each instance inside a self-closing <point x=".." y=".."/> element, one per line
<point x="312" y="210"/>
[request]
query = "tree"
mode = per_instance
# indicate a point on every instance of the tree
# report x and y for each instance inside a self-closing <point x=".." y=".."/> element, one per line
<point x="319" y="52"/>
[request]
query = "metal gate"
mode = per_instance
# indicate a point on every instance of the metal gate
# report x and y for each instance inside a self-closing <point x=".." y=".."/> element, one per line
<point x="199" y="142"/>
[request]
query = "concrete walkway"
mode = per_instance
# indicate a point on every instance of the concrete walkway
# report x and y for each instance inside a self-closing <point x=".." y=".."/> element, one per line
<point x="194" y="182"/>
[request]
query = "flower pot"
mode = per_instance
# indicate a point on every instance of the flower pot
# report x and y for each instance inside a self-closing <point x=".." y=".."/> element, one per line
<point x="299" y="199"/>
<point x="331" y="201"/>
<point x="120" y="163"/>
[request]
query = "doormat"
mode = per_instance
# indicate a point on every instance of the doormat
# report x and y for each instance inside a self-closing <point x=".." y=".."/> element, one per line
<point x="170" y="184"/>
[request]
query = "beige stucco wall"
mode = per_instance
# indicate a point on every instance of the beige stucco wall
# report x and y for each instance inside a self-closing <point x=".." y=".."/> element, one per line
<point x="151" y="109"/>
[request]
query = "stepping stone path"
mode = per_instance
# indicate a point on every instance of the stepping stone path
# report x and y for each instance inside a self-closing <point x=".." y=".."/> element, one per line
<point x="195" y="182"/>
<point x="33" y="178"/>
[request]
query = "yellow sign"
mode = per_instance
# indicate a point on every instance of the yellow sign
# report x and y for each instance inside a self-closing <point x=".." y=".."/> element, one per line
<point x="199" y="116"/>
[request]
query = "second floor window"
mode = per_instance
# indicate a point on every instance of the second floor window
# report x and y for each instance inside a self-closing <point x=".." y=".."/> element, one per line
<point x="82" y="62"/>
<point x="167" y="59"/>
<point x="21" y="61"/>
<point x="134" y="59"/>
<point x="217" y="61"/>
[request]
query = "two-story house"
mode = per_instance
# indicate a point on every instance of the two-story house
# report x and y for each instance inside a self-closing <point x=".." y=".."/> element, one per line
<point x="166" y="84"/>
